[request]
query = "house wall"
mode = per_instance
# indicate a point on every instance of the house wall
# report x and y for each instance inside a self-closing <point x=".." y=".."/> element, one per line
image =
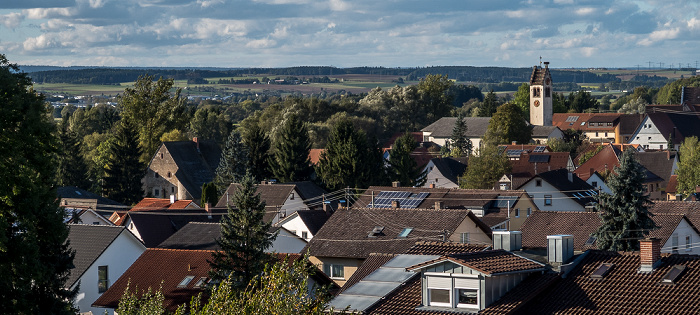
<point x="297" y="226"/>
<point x="350" y="266"/>
<point x="156" y="177"/>
<point x="292" y="204"/>
<point x="682" y="230"/>
<point x="496" y="286"/>
<point x="89" y="217"/>
<point x="649" y="136"/>
<point x="522" y="204"/>
<point x="560" y="201"/>
<point x="599" y="183"/>
<point x="434" y="176"/>
<point x="287" y="242"/>
<point x="476" y="235"/>
<point x="118" y="257"/>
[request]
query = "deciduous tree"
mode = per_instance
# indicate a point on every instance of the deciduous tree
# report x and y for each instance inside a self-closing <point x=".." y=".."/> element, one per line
<point x="508" y="125"/>
<point x="485" y="168"/>
<point x="35" y="259"/>
<point x="522" y="99"/>
<point x="624" y="214"/>
<point x="689" y="166"/>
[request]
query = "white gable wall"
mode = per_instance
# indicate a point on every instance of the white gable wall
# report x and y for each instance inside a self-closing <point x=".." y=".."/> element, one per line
<point x="118" y="257"/>
<point x="287" y="242"/>
<point x="434" y="176"/>
<point x="560" y="201"/>
<point x="683" y="230"/>
<point x="649" y="137"/>
<point x="297" y="226"/>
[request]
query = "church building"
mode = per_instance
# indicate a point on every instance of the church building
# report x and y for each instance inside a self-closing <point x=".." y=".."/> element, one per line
<point x="541" y="96"/>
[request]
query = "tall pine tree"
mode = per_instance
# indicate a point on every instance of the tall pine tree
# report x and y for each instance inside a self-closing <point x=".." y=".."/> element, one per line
<point x="244" y="238"/>
<point x="233" y="163"/>
<point x="404" y="168"/>
<point x="291" y="157"/>
<point x="624" y="213"/>
<point x="72" y="169"/>
<point x="35" y="259"/>
<point x="346" y="160"/>
<point x="489" y="106"/>
<point x="459" y="144"/>
<point x="258" y="144"/>
<point x="124" y="170"/>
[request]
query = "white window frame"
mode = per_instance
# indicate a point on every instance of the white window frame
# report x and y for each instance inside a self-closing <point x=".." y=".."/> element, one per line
<point x="529" y="211"/>
<point x="464" y="238"/>
<point x="330" y="268"/>
<point x="449" y="294"/>
<point x="517" y="212"/>
<point x="464" y="305"/>
<point x="547" y="198"/>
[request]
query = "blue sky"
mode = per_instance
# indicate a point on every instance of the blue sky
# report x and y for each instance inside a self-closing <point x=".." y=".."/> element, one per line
<point x="347" y="33"/>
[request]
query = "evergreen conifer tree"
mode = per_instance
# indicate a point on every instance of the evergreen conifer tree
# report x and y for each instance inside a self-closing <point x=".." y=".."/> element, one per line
<point x="346" y="160"/>
<point x="404" y="168"/>
<point x="124" y="170"/>
<point x="72" y="169"/>
<point x="244" y="238"/>
<point x="209" y="194"/>
<point x="460" y="145"/>
<point x="489" y="106"/>
<point x="258" y="144"/>
<point x="291" y="157"/>
<point x="233" y="163"/>
<point x="624" y="213"/>
<point x="35" y="259"/>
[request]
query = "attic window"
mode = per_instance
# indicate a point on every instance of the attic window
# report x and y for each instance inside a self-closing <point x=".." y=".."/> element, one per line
<point x="405" y="232"/>
<point x="201" y="283"/>
<point x="185" y="282"/>
<point x="583" y="123"/>
<point x="376" y="231"/>
<point x="673" y="274"/>
<point x="602" y="270"/>
<point x="591" y="240"/>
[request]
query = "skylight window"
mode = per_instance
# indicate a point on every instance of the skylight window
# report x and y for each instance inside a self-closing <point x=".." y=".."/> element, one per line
<point x="376" y="231"/>
<point x="673" y="274"/>
<point x="591" y="240"/>
<point x="405" y="232"/>
<point x="201" y="283"/>
<point x="602" y="270"/>
<point x="185" y="281"/>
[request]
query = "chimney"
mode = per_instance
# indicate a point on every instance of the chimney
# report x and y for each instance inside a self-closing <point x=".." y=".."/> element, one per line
<point x="395" y="204"/>
<point x="438" y="205"/>
<point x="172" y="199"/>
<point x="649" y="254"/>
<point x="560" y="248"/>
<point x="432" y="185"/>
<point x="396" y="184"/>
<point x="196" y="142"/>
<point x="513" y="142"/>
<point x="208" y="209"/>
<point x="591" y="171"/>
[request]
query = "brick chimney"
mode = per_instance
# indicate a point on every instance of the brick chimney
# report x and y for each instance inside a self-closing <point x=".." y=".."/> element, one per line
<point x="395" y="204"/>
<point x="396" y="184"/>
<point x="208" y="209"/>
<point x="438" y="205"/>
<point x="649" y="254"/>
<point x="432" y="185"/>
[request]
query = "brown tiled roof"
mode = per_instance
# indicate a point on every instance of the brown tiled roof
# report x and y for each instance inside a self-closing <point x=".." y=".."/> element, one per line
<point x="166" y="267"/>
<point x="623" y="290"/>
<point x="345" y="234"/>
<point x="404" y="301"/>
<point x="442" y="128"/>
<point x="690" y="95"/>
<point x="565" y="121"/>
<point x="683" y="125"/>
<point x="672" y="184"/>
<point x="450" y="198"/>
<point x="372" y="263"/>
<point x="444" y="248"/>
<point x="542" y="223"/>
<point x="313" y="219"/>
<point x="538" y="75"/>
<point x="487" y="262"/>
<point x="606" y="159"/>
<point x="148" y="204"/>
<point x="196" y="163"/>
<point x="417" y="137"/>
<point x="494" y="219"/>
<point x="660" y="163"/>
<point x="526" y="166"/>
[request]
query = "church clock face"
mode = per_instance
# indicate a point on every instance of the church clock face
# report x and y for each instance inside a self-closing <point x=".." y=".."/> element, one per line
<point x="537" y="103"/>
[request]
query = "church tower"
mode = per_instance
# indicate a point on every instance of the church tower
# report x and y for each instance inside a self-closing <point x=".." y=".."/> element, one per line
<point x="541" y="96"/>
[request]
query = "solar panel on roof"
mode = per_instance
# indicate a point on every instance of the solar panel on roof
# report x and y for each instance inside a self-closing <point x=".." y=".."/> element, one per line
<point x="502" y="201"/>
<point x="539" y="149"/>
<point x="571" y="118"/>
<point x="540" y="158"/>
<point x="514" y="153"/>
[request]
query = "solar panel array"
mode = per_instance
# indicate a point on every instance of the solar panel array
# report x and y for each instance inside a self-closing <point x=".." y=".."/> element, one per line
<point x="571" y="118"/>
<point x="502" y="201"/>
<point x="406" y="199"/>
<point x="379" y="283"/>
<point x="514" y="153"/>
<point x="544" y="158"/>
<point x="540" y="149"/>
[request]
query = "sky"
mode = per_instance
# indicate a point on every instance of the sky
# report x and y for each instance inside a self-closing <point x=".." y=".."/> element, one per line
<point x="350" y="33"/>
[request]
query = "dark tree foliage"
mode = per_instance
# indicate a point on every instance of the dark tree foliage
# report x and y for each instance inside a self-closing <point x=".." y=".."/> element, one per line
<point x="348" y="161"/>
<point x="377" y="164"/>
<point x="489" y="106"/>
<point x="124" y="170"/>
<point x="233" y="163"/>
<point x="486" y="168"/>
<point x="459" y="144"/>
<point x="291" y="151"/>
<point x="71" y="169"/>
<point x="508" y="125"/>
<point x="581" y="101"/>
<point x="209" y="194"/>
<point x="464" y="93"/>
<point x="35" y="259"/>
<point x="258" y="144"/>
<point x="435" y="96"/>
<point x="244" y="238"/>
<point x="404" y="168"/>
<point x="624" y="214"/>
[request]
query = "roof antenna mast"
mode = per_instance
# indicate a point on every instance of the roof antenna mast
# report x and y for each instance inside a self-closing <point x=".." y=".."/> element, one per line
<point x="540" y="61"/>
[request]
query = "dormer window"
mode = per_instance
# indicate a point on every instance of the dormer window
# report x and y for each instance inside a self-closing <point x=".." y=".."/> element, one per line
<point x="467" y="297"/>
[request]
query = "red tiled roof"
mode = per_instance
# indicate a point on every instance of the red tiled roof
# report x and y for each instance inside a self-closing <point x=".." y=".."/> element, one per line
<point x="623" y="290"/>
<point x="564" y="122"/>
<point x="487" y="262"/>
<point x="315" y="155"/>
<point x="149" y="204"/>
<point x="605" y="160"/>
<point x="444" y="248"/>
<point x="525" y="167"/>
<point x="166" y="267"/>
<point x="672" y="184"/>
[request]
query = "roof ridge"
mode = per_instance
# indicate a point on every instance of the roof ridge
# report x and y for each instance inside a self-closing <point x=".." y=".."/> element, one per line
<point x="183" y="250"/>
<point x="96" y="225"/>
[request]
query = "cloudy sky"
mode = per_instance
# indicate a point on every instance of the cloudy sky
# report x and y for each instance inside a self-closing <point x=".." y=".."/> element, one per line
<point x="347" y="33"/>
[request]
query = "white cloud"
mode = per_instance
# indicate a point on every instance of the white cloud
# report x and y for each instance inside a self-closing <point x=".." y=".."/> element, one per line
<point x="11" y="20"/>
<point x="40" y="42"/>
<point x="41" y="13"/>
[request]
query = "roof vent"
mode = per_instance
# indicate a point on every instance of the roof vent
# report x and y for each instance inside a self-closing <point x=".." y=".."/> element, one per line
<point x="673" y="274"/>
<point x="376" y="231"/>
<point x="507" y="240"/>
<point x="560" y="248"/>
